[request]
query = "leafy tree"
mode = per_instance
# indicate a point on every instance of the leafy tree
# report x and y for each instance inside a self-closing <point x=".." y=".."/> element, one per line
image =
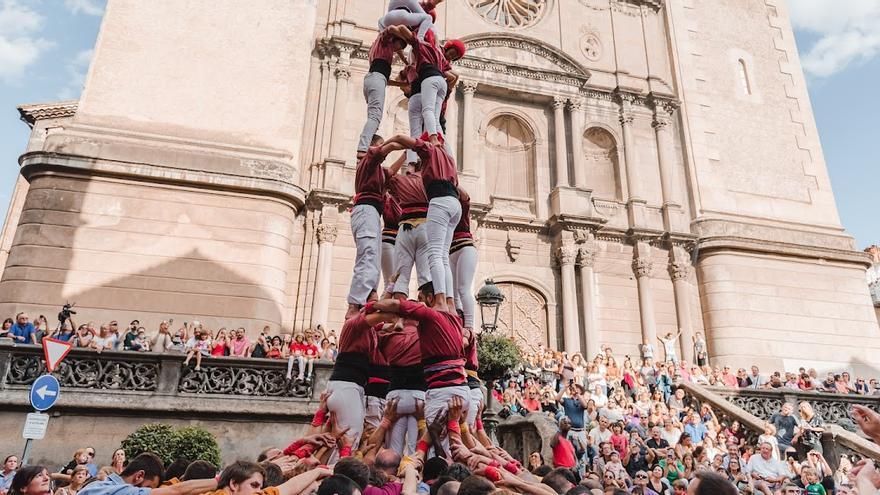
<point x="196" y="443"/>
<point x="193" y="443"/>
<point x="498" y="354"/>
<point x="157" y="438"/>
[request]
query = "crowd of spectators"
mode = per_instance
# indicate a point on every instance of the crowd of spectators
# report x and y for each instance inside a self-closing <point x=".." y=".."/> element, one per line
<point x="193" y="339"/>
<point x="630" y="426"/>
<point x="688" y="452"/>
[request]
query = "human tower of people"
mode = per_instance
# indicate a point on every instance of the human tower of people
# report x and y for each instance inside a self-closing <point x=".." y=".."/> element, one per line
<point x="393" y="350"/>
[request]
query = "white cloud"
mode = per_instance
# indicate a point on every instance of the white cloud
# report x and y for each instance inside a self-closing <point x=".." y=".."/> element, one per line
<point x="88" y="7"/>
<point x="20" y="42"/>
<point x="848" y="32"/>
<point x="76" y="68"/>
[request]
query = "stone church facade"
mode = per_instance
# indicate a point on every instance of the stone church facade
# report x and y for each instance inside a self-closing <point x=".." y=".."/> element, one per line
<point x="636" y="167"/>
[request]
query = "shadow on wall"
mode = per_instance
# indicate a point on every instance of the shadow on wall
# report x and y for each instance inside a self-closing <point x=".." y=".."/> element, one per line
<point x="64" y="219"/>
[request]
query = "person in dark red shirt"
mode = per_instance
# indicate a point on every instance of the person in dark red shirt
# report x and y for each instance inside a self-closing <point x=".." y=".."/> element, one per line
<point x="442" y="349"/>
<point x="411" y="246"/>
<point x="366" y="222"/>
<point x="440" y="177"/>
<point x="563" y="450"/>
<point x="357" y="341"/>
<point x="463" y="260"/>
<point x="407" y="383"/>
<point x="376" y="82"/>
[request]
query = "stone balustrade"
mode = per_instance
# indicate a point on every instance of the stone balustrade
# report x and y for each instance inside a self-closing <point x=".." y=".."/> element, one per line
<point x="753" y="407"/>
<point x="89" y="377"/>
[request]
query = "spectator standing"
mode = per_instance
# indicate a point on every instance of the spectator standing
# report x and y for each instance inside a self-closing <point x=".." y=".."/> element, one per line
<point x="22" y="332"/>
<point x="220" y="346"/>
<point x="670" y="342"/>
<point x="142" y="476"/>
<point x="700" y="353"/>
<point x="65" y="332"/>
<point x="118" y="461"/>
<point x="786" y="427"/>
<point x="163" y="341"/>
<point x="31" y="480"/>
<point x="10" y="467"/>
<point x="104" y="340"/>
<point x="809" y="435"/>
<point x="563" y="448"/>
<point x="574" y="404"/>
<point x="41" y="329"/>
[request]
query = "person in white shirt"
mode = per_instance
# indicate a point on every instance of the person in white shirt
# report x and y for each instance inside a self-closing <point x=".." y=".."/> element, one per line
<point x="601" y="433"/>
<point x="768" y="473"/>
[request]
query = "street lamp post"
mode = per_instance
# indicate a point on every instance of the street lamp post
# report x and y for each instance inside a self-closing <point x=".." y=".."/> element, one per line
<point x="490" y="298"/>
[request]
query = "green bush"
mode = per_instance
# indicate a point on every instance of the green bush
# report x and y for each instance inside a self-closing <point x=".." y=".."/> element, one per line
<point x="193" y="443"/>
<point x="196" y="443"/>
<point x="497" y="355"/>
<point x="157" y="438"/>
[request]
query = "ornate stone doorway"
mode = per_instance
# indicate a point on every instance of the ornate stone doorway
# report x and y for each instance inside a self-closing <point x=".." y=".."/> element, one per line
<point x="523" y="315"/>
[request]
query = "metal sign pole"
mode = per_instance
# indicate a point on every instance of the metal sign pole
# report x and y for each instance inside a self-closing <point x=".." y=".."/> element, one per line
<point x="27" y="450"/>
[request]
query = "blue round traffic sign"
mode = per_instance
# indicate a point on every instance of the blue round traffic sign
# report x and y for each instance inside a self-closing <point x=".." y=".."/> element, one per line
<point x="44" y="392"/>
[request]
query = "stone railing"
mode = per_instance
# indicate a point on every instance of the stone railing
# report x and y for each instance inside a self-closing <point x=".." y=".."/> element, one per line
<point x="753" y="407"/>
<point x="159" y="374"/>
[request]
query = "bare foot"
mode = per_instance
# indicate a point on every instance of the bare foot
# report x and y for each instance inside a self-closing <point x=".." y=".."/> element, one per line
<point x="435" y="139"/>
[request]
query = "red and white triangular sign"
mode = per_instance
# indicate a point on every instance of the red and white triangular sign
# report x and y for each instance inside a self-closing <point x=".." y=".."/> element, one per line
<point x="54" y="350"/>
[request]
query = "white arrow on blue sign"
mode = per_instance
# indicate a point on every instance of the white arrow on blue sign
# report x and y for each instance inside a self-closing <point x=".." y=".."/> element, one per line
<point x="44" y="392"/>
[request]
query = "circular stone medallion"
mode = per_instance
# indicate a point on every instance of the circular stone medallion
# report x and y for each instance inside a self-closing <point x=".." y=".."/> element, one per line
<point x="510" y="14"/>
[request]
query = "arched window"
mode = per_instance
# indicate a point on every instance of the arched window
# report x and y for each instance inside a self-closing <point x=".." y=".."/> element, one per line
<point x="744" y="83"/>
<point x="600" y="153"/>
<point x="510" y="158"/>
<point x="523" y="315"/>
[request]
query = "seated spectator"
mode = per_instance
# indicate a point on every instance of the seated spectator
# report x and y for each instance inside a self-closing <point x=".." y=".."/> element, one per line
<point x="4" y="330"/>
<point x="22" y="331"/>
<point x="199" y="345"/>
<point x="77" y="480"/>
<point x="326" y="352"/>
<point x="275" y="351"/>
<point x="768" y="473"/>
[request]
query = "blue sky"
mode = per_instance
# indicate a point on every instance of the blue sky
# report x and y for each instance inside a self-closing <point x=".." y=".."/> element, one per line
<point x="46" y="46"/>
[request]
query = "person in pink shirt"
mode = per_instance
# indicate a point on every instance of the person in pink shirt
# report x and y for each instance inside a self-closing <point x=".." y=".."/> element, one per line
<point x="240" y="345"/>
<point x="729" y="378"/>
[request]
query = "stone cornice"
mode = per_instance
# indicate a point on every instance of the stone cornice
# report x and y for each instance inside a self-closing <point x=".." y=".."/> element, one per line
<point x="713" y="244"/>
<point x="319" y="198"/>
<point x="30" y="114"/>
<point x="42" y="163"/>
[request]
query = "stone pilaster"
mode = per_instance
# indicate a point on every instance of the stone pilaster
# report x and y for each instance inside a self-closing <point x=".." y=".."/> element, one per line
<point x="576" y="107"/>
<point x="586" y="260"/>
<point x="680" y="271"/>
<point x="673" y="216"/>
<point x="636" y="201"/>
<point x="561" y="146"/>
<point x="642" y="267"/>
<point x="337" y="135"/>
<point x="468" y="158"/>
<point x="326" y="234"/>
<point x="567" y="255"/>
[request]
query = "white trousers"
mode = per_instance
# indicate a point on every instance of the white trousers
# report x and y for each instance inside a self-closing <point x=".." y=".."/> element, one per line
<point x="411" y="249"/>
<point x="405" y="431"/>
<point x="366" y="229"/>
<point x="464" y="265"/>
<point x="433" y="93"/>
<point x="476" y="402"/>
<point x="437" y="403"/>
<point x="347" y="402"/>
<point x="375" y="84"/>
<point x="416" y="124"/>
<point x="389" y="263"/>
<point x="443" y="216"/>
<point x="374" y="411"/>
<point x="415" y="17"/>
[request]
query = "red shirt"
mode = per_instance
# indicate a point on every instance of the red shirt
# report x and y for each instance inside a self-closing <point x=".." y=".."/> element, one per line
<point x="470" y="355"/>
<point x="369" y="179"/>
<point x="296" y="348"/>
<point x="409" y="190"/>
<point x="437" y="165"/>
<point x="402" y="348"/>
<point x="563" y="453"/>
<point x="378" y="356"/>
<point x="428" y="54"/>
<point x="382" y="48"/>
<point x="310" y="350"/>
<point x="464" y="225"/>
<point x="441" y="344"/>
<point x="357" y="336"/>
<point x="390" y="212"/>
